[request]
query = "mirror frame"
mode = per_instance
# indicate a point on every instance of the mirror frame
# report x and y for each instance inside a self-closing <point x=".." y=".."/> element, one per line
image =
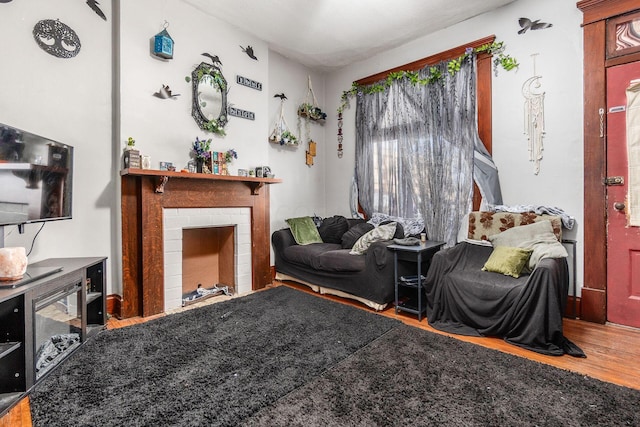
<point x="196" y="111"/>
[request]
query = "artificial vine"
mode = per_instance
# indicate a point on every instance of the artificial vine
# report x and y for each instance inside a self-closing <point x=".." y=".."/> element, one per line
<point x="434" y="75"/>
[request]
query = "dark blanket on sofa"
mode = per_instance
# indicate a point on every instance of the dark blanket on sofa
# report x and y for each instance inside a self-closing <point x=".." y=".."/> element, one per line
<point x="527" y="311"/>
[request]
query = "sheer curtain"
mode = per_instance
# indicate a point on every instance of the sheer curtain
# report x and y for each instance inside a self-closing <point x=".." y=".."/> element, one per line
<point x="415" y="150"/>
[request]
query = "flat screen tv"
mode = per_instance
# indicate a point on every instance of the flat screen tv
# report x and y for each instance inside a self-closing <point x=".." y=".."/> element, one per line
<point x="35" y="178"/>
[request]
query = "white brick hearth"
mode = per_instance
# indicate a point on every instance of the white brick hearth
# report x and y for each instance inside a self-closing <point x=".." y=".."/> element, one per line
<point x="174" y="220"/>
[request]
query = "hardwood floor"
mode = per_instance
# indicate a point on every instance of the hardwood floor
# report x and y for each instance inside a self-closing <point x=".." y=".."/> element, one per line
<point x="613" y="352"/>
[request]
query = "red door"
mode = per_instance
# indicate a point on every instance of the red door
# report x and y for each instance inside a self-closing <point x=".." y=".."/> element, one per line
<point x="623" y="240"/>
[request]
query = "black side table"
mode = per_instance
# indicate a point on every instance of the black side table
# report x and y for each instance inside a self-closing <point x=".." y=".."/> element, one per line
<point x="418" y="254"/>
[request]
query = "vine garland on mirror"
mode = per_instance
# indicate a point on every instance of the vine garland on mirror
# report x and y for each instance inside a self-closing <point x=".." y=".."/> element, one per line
<point x="209" y="92"/>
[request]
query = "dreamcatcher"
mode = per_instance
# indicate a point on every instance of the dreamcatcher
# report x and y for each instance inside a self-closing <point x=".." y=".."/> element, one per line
<point x="534" y="117"/>
<point x="281" y="133"/>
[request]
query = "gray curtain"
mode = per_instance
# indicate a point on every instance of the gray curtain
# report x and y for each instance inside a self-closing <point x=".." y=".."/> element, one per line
<point x="415" y="150"/>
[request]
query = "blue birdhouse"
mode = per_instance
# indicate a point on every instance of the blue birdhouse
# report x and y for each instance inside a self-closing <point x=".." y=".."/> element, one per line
<point x="163" y="45"/>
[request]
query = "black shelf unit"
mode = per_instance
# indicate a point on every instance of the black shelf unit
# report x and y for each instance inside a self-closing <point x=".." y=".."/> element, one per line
<point x="84" y="278"/>
<point x="409" y="293"/>
<point x="12" y="350"/>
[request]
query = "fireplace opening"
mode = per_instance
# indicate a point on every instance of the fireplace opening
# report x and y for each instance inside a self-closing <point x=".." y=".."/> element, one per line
<point x="57" y="327"/>
<point x="208" y="262"/>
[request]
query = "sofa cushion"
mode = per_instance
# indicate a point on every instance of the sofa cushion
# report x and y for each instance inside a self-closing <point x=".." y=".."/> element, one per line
<point x="332" y="229"/>
<point x="507" y="260"/>
<point x="304" y="230"/>
<point x="308" y="254"/>
<point x="382" y="232"/>
<point x="339" y="260"/>
<point x="484" y="224"/>
<point x="399" y="234"/>
<point x="410" y="226"/>
<point x="351" y="236"/>
<point x="538" y="236"/>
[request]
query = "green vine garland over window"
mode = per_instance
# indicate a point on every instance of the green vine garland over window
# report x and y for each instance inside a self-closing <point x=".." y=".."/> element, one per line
<point x="496" y="49"/>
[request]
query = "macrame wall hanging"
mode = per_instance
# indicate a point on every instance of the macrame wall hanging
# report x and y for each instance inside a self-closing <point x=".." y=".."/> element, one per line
<point x="534" y="117"/>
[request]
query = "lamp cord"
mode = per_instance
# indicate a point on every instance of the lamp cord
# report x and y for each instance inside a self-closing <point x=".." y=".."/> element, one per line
<point x="34" y="238"/>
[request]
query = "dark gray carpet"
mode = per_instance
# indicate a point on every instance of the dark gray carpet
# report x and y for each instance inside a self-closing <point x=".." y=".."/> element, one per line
<point x="282" y="357"/>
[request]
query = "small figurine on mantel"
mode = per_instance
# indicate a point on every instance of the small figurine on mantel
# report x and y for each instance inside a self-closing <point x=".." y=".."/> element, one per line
<point x="229" y="156"/>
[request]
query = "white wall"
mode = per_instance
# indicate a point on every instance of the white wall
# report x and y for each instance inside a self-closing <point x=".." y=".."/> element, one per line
<point x="302" y="191"/>
<point x="70" y="100"/>
<point x="164" y="128"/>
<point x="560" y="181"/>
<point x="67" y="100"/>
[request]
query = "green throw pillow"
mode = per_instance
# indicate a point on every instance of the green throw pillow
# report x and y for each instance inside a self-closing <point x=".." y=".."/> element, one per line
<point x="507" y="260"/>
<point x="304" y="230"/>
<point x="538" y="236"/>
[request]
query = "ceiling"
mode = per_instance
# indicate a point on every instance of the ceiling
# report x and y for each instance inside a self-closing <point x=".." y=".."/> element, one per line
<point x="329" y="34"/>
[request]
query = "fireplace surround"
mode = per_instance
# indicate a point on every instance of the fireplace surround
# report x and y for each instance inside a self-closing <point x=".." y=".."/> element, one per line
<point x="145" y="193"/>
<point x="211" y="246"/>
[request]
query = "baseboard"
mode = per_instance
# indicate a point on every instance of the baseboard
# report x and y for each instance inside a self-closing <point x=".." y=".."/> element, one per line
<point x="594" y="305"/>
<point x="573" y="308"/>
<point x="114" y="305"/>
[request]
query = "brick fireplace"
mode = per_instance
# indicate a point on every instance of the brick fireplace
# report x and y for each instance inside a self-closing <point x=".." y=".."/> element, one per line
<point x="207" y="246"/>
<point x="145" y="196"/>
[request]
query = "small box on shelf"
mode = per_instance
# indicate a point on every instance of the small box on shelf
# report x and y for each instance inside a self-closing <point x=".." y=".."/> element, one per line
<point x="132" y="159"/>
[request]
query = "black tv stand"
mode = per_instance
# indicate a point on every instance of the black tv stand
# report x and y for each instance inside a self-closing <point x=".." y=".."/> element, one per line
<point x="79" y="281"/>
<point x="33" y="272"/>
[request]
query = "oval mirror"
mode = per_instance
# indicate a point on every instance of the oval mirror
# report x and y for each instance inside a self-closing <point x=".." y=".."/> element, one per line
<point x="209" y="103"/>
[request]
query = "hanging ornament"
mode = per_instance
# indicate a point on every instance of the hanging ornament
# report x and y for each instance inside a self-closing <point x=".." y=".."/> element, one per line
<point x="163" y="43"/>
<point x="340" y="137"/>
<point x="534" y="117"/>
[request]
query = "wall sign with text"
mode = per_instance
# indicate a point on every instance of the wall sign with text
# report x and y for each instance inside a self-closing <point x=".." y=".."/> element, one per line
<point x="243" y="114"/>
<point x="248" y="83"/>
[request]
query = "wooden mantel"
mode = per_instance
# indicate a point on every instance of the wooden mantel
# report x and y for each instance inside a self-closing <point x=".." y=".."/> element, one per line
<point x="145" y="193"/>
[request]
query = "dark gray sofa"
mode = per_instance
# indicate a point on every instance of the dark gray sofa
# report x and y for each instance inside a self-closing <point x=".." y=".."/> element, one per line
<point x="328" y="268"/>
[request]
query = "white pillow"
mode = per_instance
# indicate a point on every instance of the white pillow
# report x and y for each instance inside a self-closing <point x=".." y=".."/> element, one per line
<point x="537" y="236"/>
<point x="383" y="232"/>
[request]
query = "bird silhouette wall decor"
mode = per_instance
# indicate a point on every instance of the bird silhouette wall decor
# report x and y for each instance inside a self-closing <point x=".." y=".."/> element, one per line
<point x="249" y="51"/>
<point x="528" y="24"/>
<point x="165" y="93"/>
<point x="95" y="6"/>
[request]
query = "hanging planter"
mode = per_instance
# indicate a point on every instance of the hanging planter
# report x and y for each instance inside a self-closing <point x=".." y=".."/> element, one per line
<point x="281" y="134"/>
<point x="311" y="112"/>
<point x="310" y="109"/>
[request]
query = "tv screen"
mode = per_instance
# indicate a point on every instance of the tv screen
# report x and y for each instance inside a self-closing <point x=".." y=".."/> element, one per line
<point x="35" y="177"/>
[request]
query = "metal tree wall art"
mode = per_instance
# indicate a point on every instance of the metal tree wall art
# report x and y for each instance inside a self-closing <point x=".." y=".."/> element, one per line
<point x="56" y="38"/>
<point x="534" y="117"/>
